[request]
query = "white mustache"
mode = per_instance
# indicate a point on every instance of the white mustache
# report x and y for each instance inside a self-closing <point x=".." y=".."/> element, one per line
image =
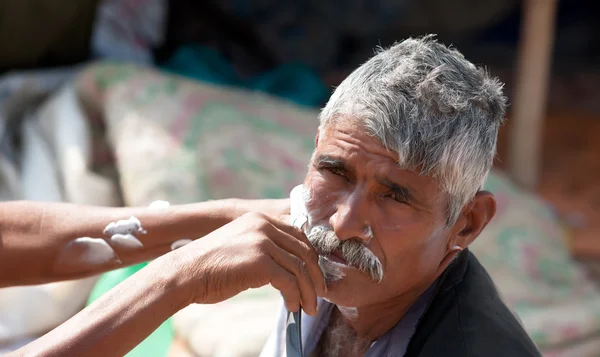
<point x="356" y="254"/>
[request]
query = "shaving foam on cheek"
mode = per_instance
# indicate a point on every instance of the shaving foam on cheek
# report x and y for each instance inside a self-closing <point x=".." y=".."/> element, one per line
<point x="332" y="271"/>
<point x="298" y="212"/>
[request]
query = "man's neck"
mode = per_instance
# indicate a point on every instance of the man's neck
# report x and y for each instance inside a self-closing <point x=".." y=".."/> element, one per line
<point x="339" y="339"/>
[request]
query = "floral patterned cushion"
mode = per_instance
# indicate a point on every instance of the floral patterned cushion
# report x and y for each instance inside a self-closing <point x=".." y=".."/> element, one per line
<point x="184" y="141"/>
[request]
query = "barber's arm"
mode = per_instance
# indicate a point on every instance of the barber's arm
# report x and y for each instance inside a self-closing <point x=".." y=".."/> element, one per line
<point x="252" y="251"/>
<point x="43" y="242"/>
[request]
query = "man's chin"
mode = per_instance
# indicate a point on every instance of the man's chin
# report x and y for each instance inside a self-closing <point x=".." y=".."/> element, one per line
<point x="342" y="292"/>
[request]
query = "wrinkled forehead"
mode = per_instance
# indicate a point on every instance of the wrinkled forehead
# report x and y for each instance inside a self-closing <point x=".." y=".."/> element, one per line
<point x="356" y="134"/>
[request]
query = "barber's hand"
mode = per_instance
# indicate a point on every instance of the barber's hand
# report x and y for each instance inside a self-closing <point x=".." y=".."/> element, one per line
<point x="252" y="251"/>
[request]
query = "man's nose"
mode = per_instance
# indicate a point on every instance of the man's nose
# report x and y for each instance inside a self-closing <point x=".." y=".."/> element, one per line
<point x="350" y="220"/>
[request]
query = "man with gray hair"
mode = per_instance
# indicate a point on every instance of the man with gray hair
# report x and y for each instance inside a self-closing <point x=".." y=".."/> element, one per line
<point x="393" y="198"/>
<point x="376" y="255"/>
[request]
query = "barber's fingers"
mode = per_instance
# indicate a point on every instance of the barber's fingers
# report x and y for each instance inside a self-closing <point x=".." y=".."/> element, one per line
<point x="287" y="228"/>
<point x="295" y="265"/>
<point x="299" y="277"/>
<point x="287" y="284"/>
<point x="300" y="247"/>
<point x="306" y="261"/>
<point x="290" y="250"/>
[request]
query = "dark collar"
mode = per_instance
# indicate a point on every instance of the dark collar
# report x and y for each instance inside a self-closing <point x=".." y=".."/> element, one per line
<point x="452" y="276"/>
<point x="454" y="272"/>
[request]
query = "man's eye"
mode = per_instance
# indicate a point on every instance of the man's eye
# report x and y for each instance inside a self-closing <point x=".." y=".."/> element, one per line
<point x="336" y="171"/>
<point x="397" y="197"/>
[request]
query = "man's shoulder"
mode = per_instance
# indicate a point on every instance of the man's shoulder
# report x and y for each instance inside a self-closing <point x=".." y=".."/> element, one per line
<point x="467" y="318"/>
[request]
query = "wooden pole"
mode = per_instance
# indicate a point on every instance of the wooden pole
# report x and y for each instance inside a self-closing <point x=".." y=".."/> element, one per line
<point x="533" y="72"/>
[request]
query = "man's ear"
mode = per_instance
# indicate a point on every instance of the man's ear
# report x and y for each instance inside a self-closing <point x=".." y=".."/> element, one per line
<point x="472" y="220"/>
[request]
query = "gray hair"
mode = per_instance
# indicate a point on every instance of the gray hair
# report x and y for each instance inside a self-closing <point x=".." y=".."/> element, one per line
<point x="437" y="110"/>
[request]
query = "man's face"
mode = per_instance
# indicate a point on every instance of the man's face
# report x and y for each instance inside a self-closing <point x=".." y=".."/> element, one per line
<point x="357" y="189"/>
